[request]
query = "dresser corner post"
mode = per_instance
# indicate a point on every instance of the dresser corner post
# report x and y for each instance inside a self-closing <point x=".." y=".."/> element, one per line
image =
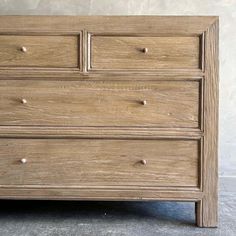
<point x="198" y="213"/>
<point x="206" y="211"/>
<point x="207" y="207"/>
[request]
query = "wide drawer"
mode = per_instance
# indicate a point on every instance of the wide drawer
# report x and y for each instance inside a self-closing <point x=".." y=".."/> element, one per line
<point x="99" y="162"/>
<point x="39" y="51"/>
<point x="81" y="103"/>
<point x="145" y="53"/>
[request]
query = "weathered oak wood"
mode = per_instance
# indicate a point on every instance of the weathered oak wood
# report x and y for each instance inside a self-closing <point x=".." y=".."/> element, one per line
<point x="126" y="52"/>
<point x="39" y="51"/>
<point x="167" y="104"/>
<point x="100" y="194"/>
<point x="82" y="162"/>
<point x="180" y="28"/>
<point x="110" y="108"/>
<point x="207" y="208"/>
<point x="99" y="132"/>
<point x="180" y="25"/>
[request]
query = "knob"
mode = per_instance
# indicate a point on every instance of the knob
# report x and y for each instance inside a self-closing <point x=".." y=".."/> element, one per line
<point x="23" y="49"/>
<point x="23" y="160"/>
<point x="144" y="102"/>
<point x="144" y="162"/>
<point x="145" y="50"/>
<point x="23" y="100"/>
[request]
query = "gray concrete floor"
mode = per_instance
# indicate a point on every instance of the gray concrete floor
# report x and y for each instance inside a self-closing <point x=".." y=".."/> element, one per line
<point x="56" y="218"/>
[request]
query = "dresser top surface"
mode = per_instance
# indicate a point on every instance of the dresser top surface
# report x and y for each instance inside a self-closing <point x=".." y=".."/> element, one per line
<point x="145" y="24"/>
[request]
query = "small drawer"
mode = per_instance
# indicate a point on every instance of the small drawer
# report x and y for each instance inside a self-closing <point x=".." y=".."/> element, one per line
<point x="99" y="162"/>
<point x="168" y="104"/>
<point x="144" y="53"/>
<point x="39" y="51"/>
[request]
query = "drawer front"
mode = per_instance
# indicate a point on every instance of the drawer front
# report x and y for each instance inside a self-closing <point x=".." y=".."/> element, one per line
<point x="117" y="53"/>
<point x="39" y="51"/>
<point x="80" y="103"/>
<point x="99" y="162"/>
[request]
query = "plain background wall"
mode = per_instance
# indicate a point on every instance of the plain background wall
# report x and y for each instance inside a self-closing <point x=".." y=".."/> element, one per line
<point x="226" y="9"/>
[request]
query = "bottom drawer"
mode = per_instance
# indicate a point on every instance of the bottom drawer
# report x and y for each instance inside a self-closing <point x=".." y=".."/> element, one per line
<point x="99" y="162"/>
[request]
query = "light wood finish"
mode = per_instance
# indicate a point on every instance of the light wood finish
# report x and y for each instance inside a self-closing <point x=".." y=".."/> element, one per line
<point x="39" y="51"/>
<point x="121" y="194"/>
<point x="110" y="108"/>
<point x="207" y="208"/>
<point x="167" y="104"/>
<point x="81" y="162"/>
<point x="174" y="25"/>
<point x="99" y="132"/>
<point x="125" y="52"/>
<point x="193" y="27"/>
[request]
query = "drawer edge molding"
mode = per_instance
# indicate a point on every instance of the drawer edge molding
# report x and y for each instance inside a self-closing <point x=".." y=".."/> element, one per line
<point x="103" y="68"/>
<point x="98" y="132"/>
<point x="97" y="194"/>
<point x="173" y="164"/>
<point x="40" y="56"/>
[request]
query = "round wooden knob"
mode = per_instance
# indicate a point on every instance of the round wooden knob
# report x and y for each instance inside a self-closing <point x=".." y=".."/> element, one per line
<point x="144" y="162"/>
<point x="23" y="49"/>
<point x="144" y="102"/>
<point x="23" y="100"/>
<point x="145" y="50"/>
<point x="23" y="160"/>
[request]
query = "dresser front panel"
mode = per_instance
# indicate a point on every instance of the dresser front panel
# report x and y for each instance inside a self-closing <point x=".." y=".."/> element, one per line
<point x="39" y="51"/>
<point x="145" y="53"/>
<point x="99" y="162"/>
<point x="102" y="103"/>
<point x="110" y="108"/>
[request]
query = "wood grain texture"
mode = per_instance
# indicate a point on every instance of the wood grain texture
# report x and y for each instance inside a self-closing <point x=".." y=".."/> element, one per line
<point x="98" y="132"/>
<point x="125" y="52"/>
<point x="41" y="51"/>
<point x="101" y="194"/>
<point x="84" y="131"/>
<point x="168" y="75"/>
<point x="180" y="25"/>
<point x="174" y="26"/>
<point x="58" y="103"/>
<point x="85" y="162"/>
<point x="207" y="208"/>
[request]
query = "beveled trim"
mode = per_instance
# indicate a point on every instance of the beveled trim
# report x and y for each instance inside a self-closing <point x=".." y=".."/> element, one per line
<point x="120" y="34"/>
<point x="99" y="194"/>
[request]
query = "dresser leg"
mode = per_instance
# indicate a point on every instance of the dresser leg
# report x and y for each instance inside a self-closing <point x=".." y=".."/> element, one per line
<point x="206" y="213"/>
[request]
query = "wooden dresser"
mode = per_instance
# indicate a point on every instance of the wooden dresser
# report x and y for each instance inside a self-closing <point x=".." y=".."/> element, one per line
<point x="110" y="108"/>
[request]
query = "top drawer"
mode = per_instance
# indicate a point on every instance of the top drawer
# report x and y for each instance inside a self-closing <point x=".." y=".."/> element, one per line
<point x="39" y="51"/>
<point x="144" y="53"/>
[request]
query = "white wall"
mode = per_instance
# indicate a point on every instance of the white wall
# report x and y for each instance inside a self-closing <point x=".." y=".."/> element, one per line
<point x="226" y="9"/>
